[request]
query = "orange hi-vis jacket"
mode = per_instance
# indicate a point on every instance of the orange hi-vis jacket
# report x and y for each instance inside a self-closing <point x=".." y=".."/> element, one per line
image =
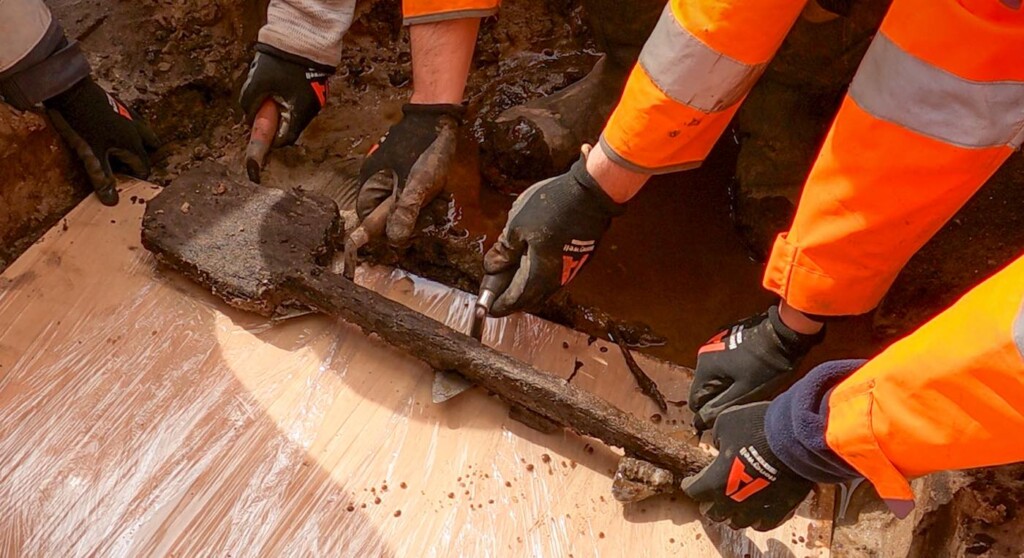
<point x="949" y="396"/>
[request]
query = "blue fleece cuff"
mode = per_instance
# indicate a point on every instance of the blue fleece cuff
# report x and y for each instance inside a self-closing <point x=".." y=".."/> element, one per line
<point x="795" y="425"/>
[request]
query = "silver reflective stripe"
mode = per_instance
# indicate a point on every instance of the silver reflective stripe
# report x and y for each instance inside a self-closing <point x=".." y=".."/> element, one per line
<point x="692" y="73"/>
<point x="627" y="164"/>
<point x="1018" y="330"/>
<point x="445" y="16"/>
<point x="893" y="85"/>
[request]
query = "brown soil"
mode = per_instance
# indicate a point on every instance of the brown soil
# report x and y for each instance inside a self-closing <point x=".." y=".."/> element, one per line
<point x="674" y="261"/>
<point x="982" y="519"/>
<point x="31" y="156"/>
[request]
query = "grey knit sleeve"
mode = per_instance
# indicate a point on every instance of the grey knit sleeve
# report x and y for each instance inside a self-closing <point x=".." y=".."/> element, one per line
<point x="23" y="23"/>
<point x="312" y="29"/>
<point x="37" y="62"/>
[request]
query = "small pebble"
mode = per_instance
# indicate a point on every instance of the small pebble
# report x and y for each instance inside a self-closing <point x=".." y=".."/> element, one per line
<point x="185" y="207"/>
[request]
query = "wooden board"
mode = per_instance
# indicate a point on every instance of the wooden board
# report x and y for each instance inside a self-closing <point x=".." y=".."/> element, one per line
<point x="141" y="416"/>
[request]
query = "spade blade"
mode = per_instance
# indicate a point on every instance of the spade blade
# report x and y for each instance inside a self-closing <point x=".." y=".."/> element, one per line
<point x="448" y="384"/>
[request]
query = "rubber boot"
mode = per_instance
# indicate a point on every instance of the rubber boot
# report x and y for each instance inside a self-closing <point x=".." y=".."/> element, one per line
<point x="548" y="131"/>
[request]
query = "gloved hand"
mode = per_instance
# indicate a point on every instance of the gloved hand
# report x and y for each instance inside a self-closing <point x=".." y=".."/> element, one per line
<point x="746" y="485"/>
<point x="297" y="85"/>
<point x="552" y="229"/>
<point x="410" y="162"/>
<point x="748" y="361"/>
<point x="99" y="127"/>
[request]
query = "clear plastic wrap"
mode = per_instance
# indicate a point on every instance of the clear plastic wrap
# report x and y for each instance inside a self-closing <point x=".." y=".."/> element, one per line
<point x="140" y="416"/>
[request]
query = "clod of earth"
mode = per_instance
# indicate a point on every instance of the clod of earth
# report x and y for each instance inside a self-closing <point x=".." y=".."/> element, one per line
<point x="637" y="480"/>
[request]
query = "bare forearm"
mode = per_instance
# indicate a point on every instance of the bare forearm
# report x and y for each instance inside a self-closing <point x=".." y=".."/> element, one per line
<point x="797" y="320"/>
<point x="620" y="183"/>
<point x="441" y="55"/>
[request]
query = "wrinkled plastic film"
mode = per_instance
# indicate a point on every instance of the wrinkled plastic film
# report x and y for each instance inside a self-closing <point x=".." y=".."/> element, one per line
<point x="140" y="416"/>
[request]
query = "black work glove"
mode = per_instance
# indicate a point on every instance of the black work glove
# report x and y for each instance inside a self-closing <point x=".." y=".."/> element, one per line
<point x="746" y="485"/>
<point x="746" y="362"/>
<point x="100" y="128"/>
<point x="410" y="162"/>
<point x="552" y="229"/>
<point x="297" y="85"/>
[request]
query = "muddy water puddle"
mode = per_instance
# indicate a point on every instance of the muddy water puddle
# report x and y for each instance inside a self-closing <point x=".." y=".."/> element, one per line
<point x="673" y="261"/>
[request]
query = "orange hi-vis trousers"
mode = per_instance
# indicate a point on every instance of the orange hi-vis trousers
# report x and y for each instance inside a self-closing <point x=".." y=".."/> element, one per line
<point x="429" y="11"/>
<point x="949" y="396"/>
<point x="935" y="108"/>
<point x="695" y="69"/>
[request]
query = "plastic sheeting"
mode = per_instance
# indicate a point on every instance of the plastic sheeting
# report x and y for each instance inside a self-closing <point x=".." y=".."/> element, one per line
<point x="140" y="416"/>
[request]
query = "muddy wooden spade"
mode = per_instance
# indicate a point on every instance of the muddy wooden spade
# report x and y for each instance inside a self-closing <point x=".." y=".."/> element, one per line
<point x="260" y="249"/>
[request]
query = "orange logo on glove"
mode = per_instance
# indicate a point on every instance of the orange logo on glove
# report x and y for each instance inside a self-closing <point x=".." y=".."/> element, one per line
<point x="321" y="91"/>
<point x="741" y="485"/>
<point x="118" y="107"/>
<point x="571" y="266"/>
<point x="574" y="255"/>
<point x="714" y="344"/>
